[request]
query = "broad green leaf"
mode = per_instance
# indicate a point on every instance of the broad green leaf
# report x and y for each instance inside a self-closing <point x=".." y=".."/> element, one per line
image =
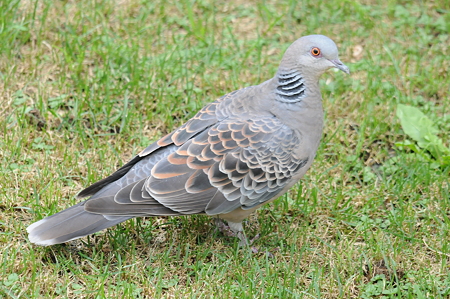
<point x="420" y="128"/>
<point x="415" y="124"/>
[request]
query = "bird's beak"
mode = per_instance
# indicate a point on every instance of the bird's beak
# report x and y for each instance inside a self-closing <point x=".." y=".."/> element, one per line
<point x="338" y="64"/>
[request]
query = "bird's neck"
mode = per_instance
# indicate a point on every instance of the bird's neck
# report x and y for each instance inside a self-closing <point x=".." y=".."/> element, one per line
<point x="299" y="100"/>
<point x="290" y="86"/>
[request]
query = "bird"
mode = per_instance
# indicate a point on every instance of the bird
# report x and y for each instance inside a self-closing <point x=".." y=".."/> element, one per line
<point x="241" y="151"/>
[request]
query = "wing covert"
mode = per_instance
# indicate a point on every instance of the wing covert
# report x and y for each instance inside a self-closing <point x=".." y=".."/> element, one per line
<point x="234" y="163"/>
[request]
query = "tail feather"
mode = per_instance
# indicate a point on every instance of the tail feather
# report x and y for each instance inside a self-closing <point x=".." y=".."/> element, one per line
<point x="70" y="224"/>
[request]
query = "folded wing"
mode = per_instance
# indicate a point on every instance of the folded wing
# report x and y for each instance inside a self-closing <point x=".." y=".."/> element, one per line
<point x="215" y="169"/>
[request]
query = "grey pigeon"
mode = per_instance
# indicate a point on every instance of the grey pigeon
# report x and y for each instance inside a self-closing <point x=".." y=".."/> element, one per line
<point x="242" y="151"/>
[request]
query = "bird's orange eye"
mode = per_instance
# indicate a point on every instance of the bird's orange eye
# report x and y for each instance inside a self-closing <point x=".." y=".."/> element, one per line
<point x="315" y="51"/>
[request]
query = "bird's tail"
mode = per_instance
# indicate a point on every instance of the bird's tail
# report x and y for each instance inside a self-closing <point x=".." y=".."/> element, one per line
<point x="70" y="224"/>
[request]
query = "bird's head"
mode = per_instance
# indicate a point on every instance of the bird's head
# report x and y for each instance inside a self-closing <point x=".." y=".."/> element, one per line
<point x="313" y="55"/>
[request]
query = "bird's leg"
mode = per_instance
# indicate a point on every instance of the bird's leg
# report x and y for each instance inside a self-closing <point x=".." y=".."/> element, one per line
<point x="223" y="228"/>
<point x="254" y="238"/>
<point x="234" y="229"/>
<point x="238" y="230"/>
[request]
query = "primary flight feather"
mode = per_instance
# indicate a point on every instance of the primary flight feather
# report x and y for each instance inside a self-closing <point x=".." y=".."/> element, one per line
<point x="236" y="154"/>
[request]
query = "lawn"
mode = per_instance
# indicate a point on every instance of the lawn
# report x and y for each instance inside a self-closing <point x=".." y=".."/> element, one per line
<point x="85" y="85"/>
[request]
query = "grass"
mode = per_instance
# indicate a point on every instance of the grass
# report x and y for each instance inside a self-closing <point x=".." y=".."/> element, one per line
<point x="85" y="85"/>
